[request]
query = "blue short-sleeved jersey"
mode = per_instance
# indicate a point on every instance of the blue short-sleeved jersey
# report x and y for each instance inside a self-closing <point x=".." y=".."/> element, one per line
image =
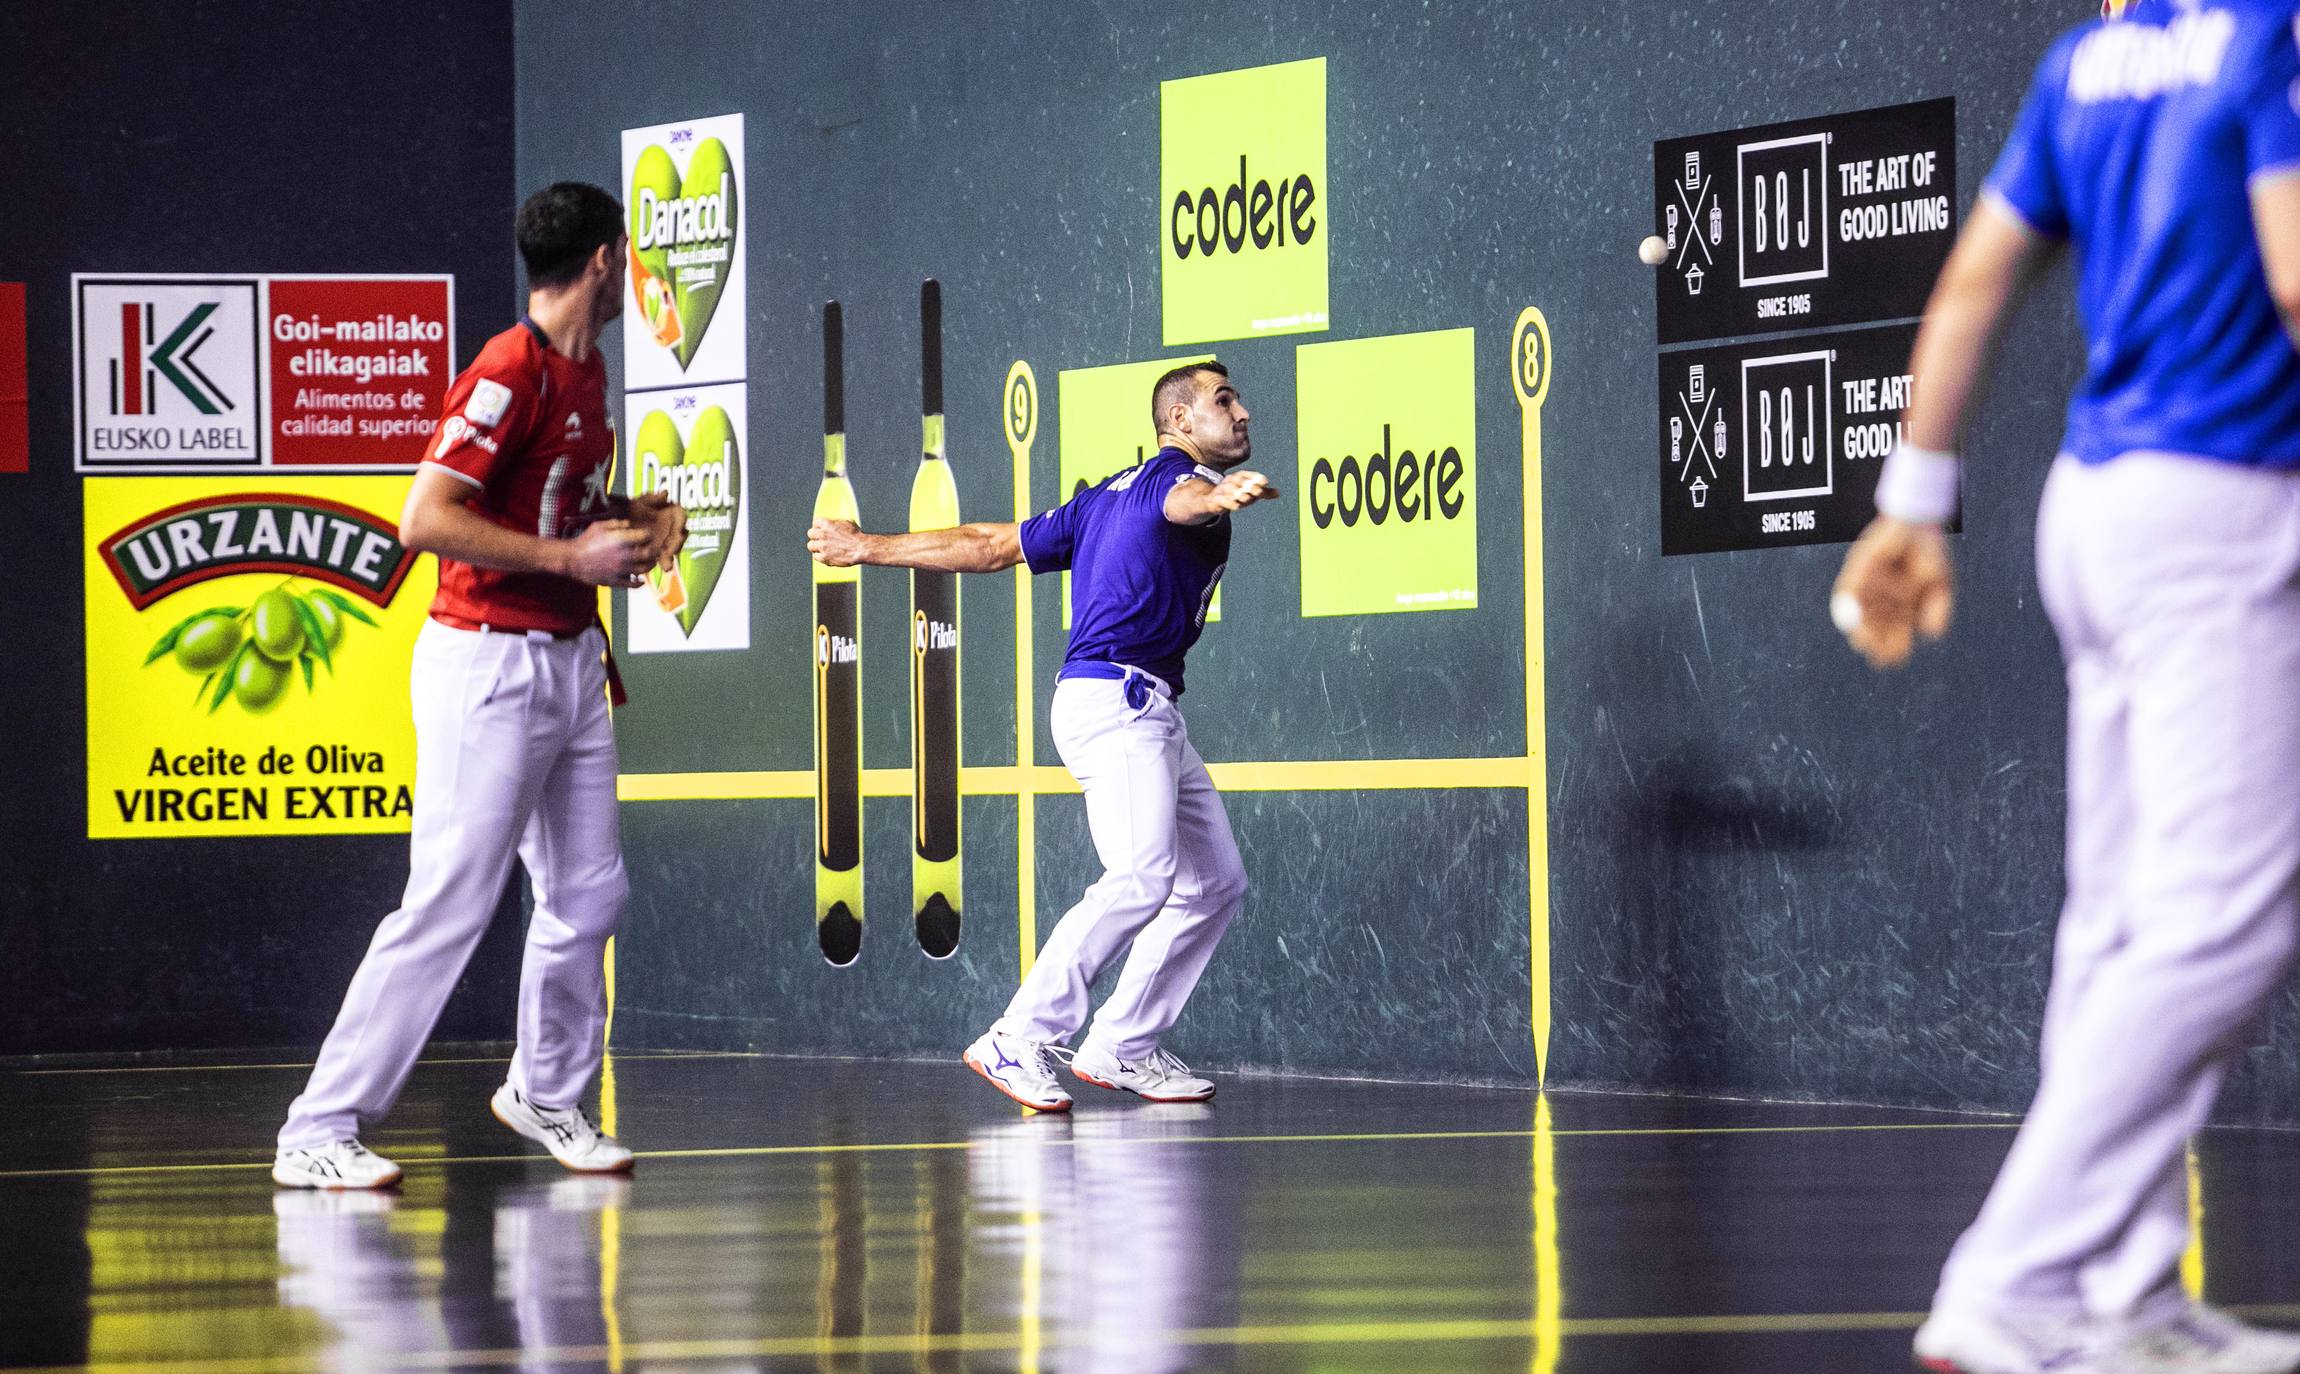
<point x="1139" y="584"/>
<point x="2138" y="141"/>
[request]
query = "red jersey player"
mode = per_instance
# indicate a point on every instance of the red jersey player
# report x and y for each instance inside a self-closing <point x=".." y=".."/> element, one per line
<point x="515" y="751"/>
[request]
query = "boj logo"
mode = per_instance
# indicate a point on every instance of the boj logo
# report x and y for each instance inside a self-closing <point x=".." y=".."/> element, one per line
<point x="1387" y="473"/>
<point x="1243" y="206"/>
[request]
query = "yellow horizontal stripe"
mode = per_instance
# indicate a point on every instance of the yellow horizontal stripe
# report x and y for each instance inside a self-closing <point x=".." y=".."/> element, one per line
<point x="1001" y="1342"/>
<point x="1066" y="1142"/>
<point x="1004" y="780"/>
<point x="305" y="1064"/>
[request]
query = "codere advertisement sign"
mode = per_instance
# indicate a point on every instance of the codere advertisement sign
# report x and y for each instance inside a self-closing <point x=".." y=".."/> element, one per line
<point x="1243" y="220"/>
<point x="247" y="652"/>
<point x="1385" y="484"/>
<point x="683" y="191"/>
<point x="1106" y="427"/>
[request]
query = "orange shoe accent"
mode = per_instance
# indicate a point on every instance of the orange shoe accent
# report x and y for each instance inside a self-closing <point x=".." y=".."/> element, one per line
<point x="1036" y="1107"/>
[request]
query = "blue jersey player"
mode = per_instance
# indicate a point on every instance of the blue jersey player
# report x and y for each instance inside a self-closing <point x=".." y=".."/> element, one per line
<point x="2163" y="145"/>
<point x="1145" y="551"/>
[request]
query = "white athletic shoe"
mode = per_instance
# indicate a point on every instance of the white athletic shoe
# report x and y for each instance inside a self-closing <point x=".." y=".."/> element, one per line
<point x="344" y="1164"/>
<point x="1160" y="1078"/>
<point x="567" y="1133"/>
<point x="2203" y="1340"/>
<point x="1022" y="1069"/>
<point x="1971" y="1341"/>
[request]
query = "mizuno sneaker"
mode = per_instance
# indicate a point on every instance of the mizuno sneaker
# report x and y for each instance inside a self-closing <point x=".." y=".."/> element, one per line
<point x="1159" y="1078"/>
<point x="344" y="1164"/>
<point x="1975" y="1341"/>
<point x="566" y="1132"/>
<point x="1022" y="1069"/>
<point x="2203" y="1340"/>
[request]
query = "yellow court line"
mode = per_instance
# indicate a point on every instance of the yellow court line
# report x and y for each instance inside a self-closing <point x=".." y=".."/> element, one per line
<point x="1071" y="1142"/>
<point x="1300" y="775"/>
<point x="305" y="1064"/>
<point x="1008" y="1342"/>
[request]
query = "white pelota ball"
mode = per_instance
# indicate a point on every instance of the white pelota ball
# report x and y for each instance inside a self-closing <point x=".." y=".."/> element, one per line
<point x="1652" y="252"/>
<point x="1845" y="612"/>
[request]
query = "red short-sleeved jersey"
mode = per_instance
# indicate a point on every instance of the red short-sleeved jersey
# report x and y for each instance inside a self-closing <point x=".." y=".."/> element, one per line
<point x="528" y="427"/>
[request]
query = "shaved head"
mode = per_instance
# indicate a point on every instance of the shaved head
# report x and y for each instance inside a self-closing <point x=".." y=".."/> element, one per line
<point x="1179" y="388"/>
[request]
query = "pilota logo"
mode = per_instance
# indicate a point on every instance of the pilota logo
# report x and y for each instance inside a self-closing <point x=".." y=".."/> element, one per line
<point x="1244" y="214"/>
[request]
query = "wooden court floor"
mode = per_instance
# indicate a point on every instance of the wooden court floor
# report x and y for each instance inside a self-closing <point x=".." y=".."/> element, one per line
<point x="835" y="1215"/>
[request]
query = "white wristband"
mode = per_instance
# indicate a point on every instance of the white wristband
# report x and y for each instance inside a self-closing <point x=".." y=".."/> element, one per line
<point x="1918" y="484"/>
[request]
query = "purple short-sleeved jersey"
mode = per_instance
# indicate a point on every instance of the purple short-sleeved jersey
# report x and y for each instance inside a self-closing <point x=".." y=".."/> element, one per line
<point x="1139" y="584"/>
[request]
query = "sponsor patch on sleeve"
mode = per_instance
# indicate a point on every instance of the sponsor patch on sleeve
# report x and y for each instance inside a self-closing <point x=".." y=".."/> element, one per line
<point x="455" y="432"/>
<point x="1202" y="473"/>
<point x="489" y="400"/>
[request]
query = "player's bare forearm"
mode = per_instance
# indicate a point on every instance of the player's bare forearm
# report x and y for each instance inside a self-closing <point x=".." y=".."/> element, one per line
<point x="1197" y="503"/>
<point x="436" y="520"/>
<point x="1995" y="258"/>
<point x="2276" y="223"/>
<point x="976" y="548"/>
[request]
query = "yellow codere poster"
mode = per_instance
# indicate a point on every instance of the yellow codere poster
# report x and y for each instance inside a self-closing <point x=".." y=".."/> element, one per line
<point x="248" y="645"/>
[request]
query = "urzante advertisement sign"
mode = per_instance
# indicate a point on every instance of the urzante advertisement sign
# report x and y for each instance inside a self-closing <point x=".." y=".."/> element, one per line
<point x="248" y="644"/>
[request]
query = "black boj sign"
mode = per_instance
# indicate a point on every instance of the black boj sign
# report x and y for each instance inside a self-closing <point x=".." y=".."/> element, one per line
<point x="1845" y="219"/>
<point x="1778" y="442"/>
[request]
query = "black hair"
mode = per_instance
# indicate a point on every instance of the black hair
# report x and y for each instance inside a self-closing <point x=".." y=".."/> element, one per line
<point x="561" y="226"/>
<point x="1178" y="388"/>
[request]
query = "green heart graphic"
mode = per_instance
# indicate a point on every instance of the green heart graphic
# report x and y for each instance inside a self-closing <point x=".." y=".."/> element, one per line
<point x="706" y="478"/>
<point x="682" y="242"/>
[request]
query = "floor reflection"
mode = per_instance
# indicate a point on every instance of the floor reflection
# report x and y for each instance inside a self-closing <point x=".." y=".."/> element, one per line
<point x="855" y="1216"/>
<point x="383" y="1281"/>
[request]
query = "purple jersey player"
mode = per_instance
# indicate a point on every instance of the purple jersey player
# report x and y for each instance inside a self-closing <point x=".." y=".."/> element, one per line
<point x="1145" y="551"/>
<point x="2163" y="145"/>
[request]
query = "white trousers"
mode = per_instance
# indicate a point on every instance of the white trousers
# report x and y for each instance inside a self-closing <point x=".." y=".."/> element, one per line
<point x="514" y="753"/>
<point x="2174" y="585"/>
<point x="1170" y="883"/>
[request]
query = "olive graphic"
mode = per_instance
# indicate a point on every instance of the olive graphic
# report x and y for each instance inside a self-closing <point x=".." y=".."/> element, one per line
<point x="207" y="643"/>
<point x="277" y="633"/>
<point x="259" y="682"/>
<point x="330" y="619"/>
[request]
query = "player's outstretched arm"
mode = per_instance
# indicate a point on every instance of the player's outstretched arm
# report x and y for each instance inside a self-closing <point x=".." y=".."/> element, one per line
<point x="977" y="548"/>
<point x="436" y="519"/>
<point x="1197" y="502"/>
<point x="1897" y="582"/>
<point x="2276" y="221"/>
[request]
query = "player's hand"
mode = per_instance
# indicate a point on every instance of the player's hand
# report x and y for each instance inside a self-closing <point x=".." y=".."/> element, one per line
<point x="609" y="553"/>
<point x="1896" y="584"/>
<point x="837" y="543"/>
<point x="1242" y="489"/>
<point x="665" y="522"/>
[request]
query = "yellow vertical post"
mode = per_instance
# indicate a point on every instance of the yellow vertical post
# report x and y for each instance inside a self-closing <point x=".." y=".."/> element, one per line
<point x="1548" y="1267"/>
<point x="1021" y="406"/>
<point x="1529" y="368"/>
<point x="2192" y="1258"/>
